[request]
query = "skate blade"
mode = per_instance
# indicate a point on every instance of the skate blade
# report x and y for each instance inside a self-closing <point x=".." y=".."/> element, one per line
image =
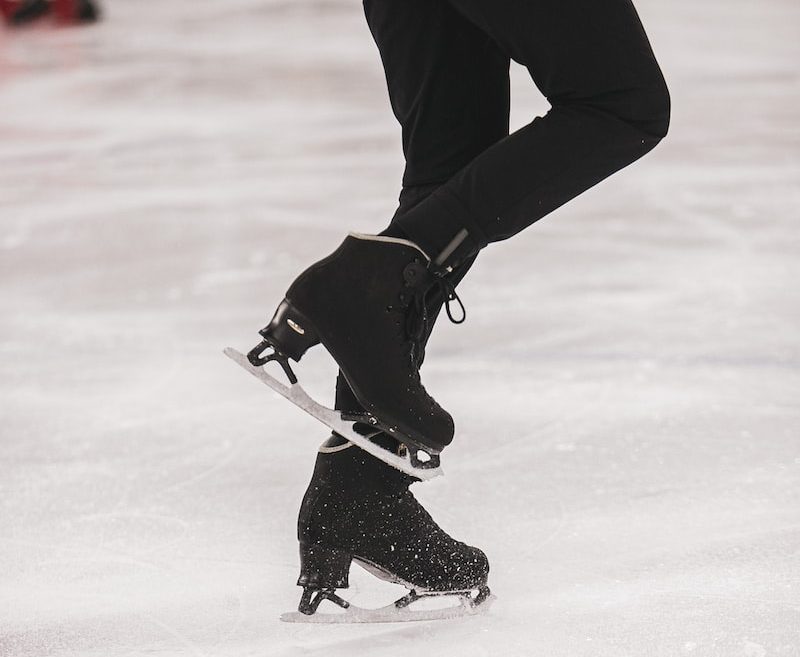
<point x="393" y="614"/>
<point x="333" y="419"/>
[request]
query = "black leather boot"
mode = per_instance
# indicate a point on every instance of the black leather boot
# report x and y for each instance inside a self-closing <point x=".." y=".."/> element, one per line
<point x="366" y="304"/>
<point x="357" y="508"/>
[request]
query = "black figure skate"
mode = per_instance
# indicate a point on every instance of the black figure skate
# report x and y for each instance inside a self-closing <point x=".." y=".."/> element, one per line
<point x="358" y="509"/>
<point x="366" y="303"/>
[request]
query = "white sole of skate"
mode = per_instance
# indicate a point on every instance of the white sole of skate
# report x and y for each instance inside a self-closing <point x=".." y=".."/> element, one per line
<point x="332" y="419"/>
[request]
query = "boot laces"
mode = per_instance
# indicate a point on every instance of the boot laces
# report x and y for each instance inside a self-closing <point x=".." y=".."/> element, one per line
<point x="422" y="280"/>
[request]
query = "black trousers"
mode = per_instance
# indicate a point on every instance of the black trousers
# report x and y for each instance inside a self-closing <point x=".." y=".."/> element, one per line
<point x="447" y="72"/>
<point x="446" y="64"/>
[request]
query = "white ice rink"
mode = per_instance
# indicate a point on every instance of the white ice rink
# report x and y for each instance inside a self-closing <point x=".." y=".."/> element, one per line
<point x="626" y="387"/>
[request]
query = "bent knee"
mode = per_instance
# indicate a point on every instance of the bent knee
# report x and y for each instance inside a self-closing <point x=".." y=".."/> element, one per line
<point x="644" y="106"/>
<point x="653" y="109"/>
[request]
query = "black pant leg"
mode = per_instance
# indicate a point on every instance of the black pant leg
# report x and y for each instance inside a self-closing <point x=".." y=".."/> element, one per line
<point x="449" y="90"/>
<point x="448" y="82"/>
<point x="440" y="72"/>
<point x="610" y="105"/>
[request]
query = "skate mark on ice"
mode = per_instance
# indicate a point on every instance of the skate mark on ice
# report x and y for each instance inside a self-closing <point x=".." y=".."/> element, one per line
<point x="101" y="544"/>
<point x="555" y="533"/>
<point x="178" y="635"/>
<point x="138" y="515"/>
<point x="236" y="625"/>
<point x="794" y="605"/>
<point x="231" y="452"/>
<point x="102" y="554"/>
<point x="97" y="560"/>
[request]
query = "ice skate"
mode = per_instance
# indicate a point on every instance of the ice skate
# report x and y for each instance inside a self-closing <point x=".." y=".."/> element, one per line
<point x="357" y="509"/>
<point x="366" y="304"/>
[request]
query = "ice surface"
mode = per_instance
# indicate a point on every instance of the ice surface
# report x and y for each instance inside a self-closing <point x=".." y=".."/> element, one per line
<point x="628" y="449"/>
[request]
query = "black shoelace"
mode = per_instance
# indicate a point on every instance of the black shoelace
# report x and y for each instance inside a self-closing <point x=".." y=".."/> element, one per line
<point x="417" y="326"/>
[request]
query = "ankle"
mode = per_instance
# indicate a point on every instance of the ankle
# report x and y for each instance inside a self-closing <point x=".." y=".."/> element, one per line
<point x="343" y="464"/>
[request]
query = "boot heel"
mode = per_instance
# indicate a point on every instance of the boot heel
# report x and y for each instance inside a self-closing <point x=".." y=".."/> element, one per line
<point x="323" y="567"/>
<point x="289" y="332"/>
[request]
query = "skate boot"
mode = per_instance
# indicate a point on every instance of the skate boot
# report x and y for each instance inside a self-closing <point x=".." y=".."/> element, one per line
<point x="366" y="304"/>
<point x="359" y="509"/>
